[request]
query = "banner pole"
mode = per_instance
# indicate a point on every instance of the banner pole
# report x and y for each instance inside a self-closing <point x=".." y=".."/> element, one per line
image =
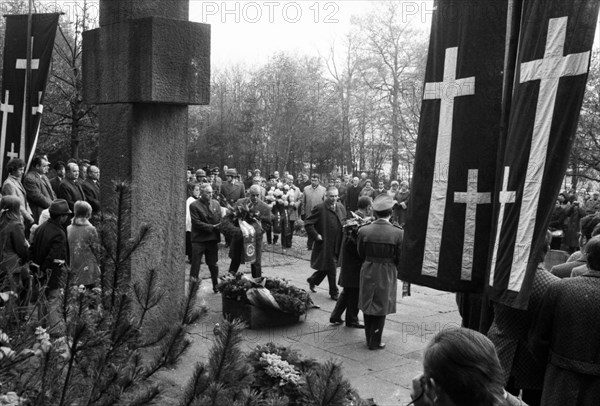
<point x="26" y="98"/>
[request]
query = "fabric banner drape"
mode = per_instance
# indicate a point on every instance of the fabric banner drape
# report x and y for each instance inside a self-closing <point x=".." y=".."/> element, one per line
<point x="448" y="231"/>
<point x="552" y="65"/>
<point x="19" y="122"/>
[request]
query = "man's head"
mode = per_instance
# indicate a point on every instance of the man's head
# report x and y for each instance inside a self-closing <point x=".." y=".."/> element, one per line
<point x="382" y="206"/>
<point x="60" y="169"/>
<point x="314" y="180"/>
<point x="276" y="174"/>
<point x="363" y="175"/>
<point x="59" y="209"/>
<point x="346" y="178"/>
<point x="338" y="182"/>
<point x="40" y="165"/>
<point x="587" y="225"/>
<point x="72" y="171"/>
<point x="83" y="168"/>
<point x="593" y="253"/>
<point x="305" y="177"/>
<point x="230" y="175"/>
<point x="257" y="180"/>
<point x="331" y="182"/>
<point x="201" y="176"/>
<point x="365" y="203"/>
<point x="380" y="185"/>
<point x="290" y="179"/>
<point x="206" y="191"/>
<point x="331" y="196"/>
<point x="15" y="167"/>
<point x="93" y="172"/>
<point x="355" y="181"/>
<point x="254" y="193"/>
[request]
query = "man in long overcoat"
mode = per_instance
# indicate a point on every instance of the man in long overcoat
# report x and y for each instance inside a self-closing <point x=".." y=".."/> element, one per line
<point x="566" y="336"/>
<point x="70" y="187"/>
<point x="312" y="195"/>
<point x="379" y="246"/>
<point x="324" y="225"/>
<point x="350" y="264"/>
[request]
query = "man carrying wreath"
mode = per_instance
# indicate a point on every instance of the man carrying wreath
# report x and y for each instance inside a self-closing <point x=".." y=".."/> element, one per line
<point x="244" y="224"/>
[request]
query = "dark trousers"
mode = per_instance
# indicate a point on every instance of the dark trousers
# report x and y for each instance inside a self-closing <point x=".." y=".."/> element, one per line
<point x="211" y="252"/>
<point x="348" y="301"/>
<point x="373" y="329"/>
<point x="288" y="235"/>
<point x="255" y="268"/>
<point x="309" y="242"/>
<point x="317" y="277"/>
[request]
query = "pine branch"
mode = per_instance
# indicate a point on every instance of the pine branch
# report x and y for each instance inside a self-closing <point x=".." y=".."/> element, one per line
<point x="196" y="385"/>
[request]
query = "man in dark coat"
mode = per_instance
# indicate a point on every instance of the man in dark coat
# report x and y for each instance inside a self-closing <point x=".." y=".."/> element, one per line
<point x="379" y="246"/>
<point x="262" y="215"/>
<point x="350" y="264"/>
<point x="206" y="221"/>
<point x="566" y="336"/>
<point x="91" y="188"/>
<point x="38" y="188"/>
<point x="59" y="168"/>
<point x="50" y="252"/>
<point x="70" y="188"/>
<point x="352" y="193"/>
<point x="324" y="225"/>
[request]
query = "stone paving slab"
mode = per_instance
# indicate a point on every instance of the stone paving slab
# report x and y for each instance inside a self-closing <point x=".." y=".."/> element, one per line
<point x="383" y="375"/>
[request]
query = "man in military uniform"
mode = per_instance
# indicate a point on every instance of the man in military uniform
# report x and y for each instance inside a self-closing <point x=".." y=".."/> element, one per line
<point x="231" y="189"/>
<point x="379" y="246"/>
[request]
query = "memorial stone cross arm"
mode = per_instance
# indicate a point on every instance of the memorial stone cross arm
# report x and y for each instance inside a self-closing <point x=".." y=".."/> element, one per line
<point x="143" y="66"/>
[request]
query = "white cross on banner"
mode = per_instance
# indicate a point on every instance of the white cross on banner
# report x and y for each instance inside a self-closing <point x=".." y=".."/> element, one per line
<point x="447" y="233"/>
<point x="552" y="68"/>
<point x="18" y="79"/>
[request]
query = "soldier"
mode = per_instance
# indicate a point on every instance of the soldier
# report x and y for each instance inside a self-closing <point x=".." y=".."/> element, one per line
<point x="379" y="246"/>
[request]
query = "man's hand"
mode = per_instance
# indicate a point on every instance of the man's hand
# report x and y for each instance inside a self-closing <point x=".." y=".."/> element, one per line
<point x="319" y="238"/>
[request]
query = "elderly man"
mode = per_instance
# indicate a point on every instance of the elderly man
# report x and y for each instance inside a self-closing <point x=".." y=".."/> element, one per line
<point x="587" y="225"/>
<point x="261" y="219"/>
<point x="70" y="187"/>
<point x="91" y="188"/>
<point x="324" y="226"/>
<point x="566" y="336"/>
<point x="205" y="214"/>
<point x="60" y="169"/>
<point x="379" y="247"/>
<point x="13" y="186"/>
<point x="352" y="194"/>
<point x="313" y="195"/>
<point x="592" y="205"/>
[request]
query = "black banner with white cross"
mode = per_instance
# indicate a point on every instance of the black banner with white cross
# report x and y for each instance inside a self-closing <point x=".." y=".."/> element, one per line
<point x="555" y="45"/>
<point x="448" y="231"/>
<point x="20" y="116"/>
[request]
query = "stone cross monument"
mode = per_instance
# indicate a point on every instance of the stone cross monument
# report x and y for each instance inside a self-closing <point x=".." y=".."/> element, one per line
<point x="143" y="67"/>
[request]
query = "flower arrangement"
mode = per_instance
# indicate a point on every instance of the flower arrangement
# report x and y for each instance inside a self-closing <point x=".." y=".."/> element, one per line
<point x="352" y="224"/>
<point x="266" y="293"/>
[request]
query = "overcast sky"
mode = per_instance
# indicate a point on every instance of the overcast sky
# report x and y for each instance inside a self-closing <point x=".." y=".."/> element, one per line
<point x="251" y="31"/>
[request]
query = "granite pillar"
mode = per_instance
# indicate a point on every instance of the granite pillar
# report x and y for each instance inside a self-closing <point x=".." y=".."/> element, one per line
<point x="143" y="67"/>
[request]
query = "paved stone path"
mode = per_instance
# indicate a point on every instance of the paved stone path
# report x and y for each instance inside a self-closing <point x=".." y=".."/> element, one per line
<point x="382" y="375"/>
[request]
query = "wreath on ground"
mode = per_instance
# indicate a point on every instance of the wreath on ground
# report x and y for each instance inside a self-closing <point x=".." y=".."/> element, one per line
<point x="266" y="293"/>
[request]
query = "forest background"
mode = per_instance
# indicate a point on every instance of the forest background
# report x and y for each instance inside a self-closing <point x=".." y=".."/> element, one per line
<point x="354" y="107"/>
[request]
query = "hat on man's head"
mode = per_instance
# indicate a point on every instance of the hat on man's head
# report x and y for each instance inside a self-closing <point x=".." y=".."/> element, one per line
<point x="231" y="172"/>
<point x="200" y="172"/>
<point x="60" y="207"/>
<point x="215" y="170"/>
<point x="383" y="202"/>
<point x="257" y="171"/>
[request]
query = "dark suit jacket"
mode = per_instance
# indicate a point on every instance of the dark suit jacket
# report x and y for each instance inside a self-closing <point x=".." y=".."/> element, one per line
<point x="91" y="190"/>
<point x="327" y="223"/>
<point x="70" y="191"/>
<point x="50" y="243"/>
<point x="204" y="216"/>
<point x="39" y="192"/>
<point x="55" y="183"/>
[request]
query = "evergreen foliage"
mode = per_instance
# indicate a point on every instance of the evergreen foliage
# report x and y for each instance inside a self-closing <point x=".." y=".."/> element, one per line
<point x="105" y="353"/>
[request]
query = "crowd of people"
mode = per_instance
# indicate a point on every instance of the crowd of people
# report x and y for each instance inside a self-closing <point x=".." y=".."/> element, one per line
<point x="330" y="212"/>
<point x="45" y="229"/>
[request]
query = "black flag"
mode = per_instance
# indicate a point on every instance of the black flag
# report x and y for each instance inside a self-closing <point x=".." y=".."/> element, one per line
<point x="447" y="234"/>
<point x="552" y="65"/>
<point x="19" y="122"/>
